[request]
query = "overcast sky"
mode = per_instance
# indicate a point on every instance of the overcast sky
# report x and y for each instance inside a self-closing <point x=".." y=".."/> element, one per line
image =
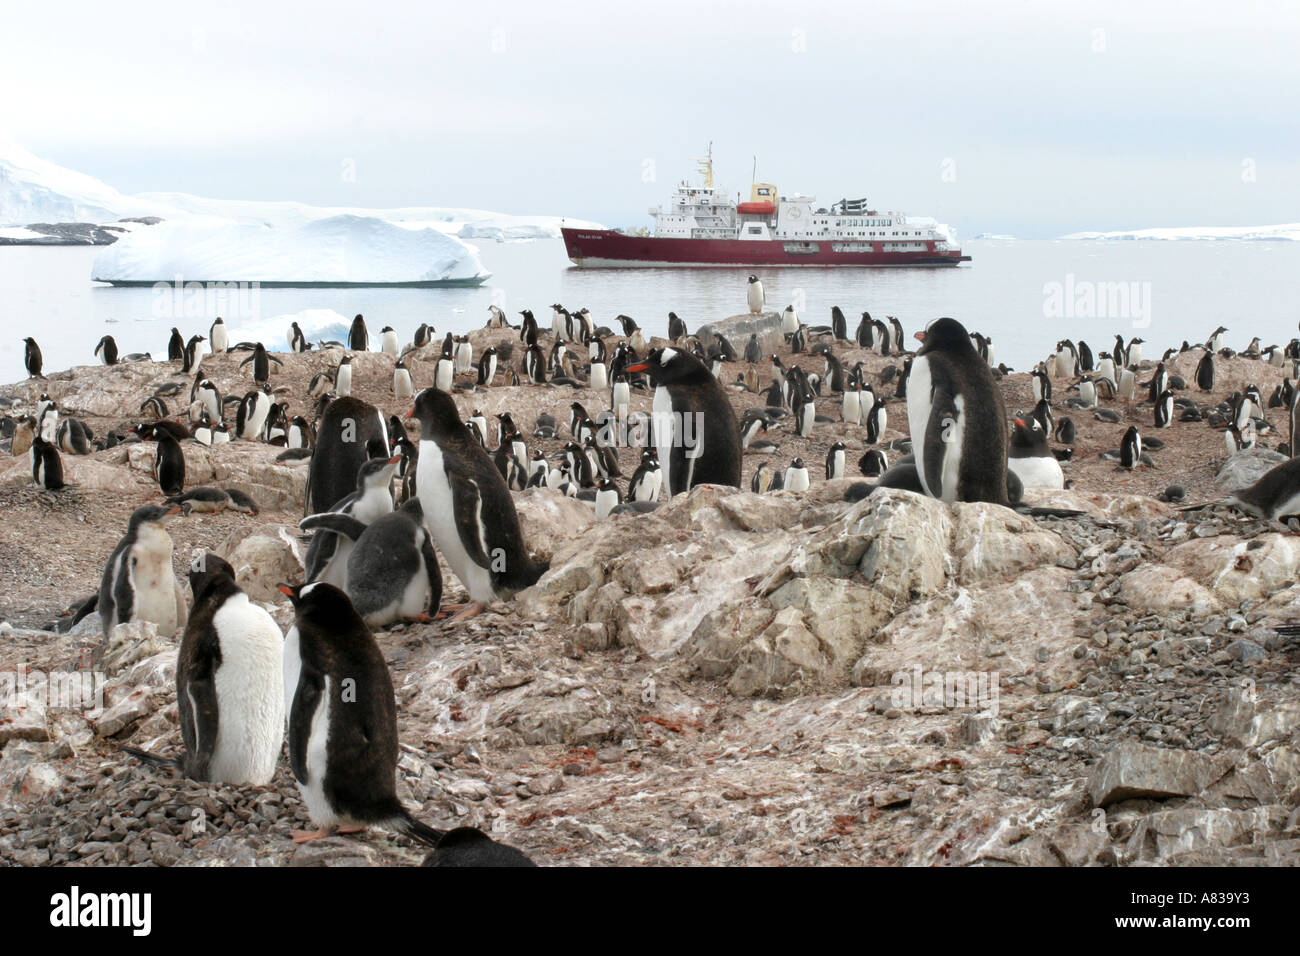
<point x="1033" y="119"/>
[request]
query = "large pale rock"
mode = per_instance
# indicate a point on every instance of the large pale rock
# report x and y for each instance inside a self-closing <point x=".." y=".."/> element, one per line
<point x="260" y="562"/>
<point x="991" y="543"/>
<point x="123" y="710"/>
<point x="1131" y="770"/>
<point x="133" y="642"/>
<point x="738" y="329"/>
<point x="1236" y="570"/>
<point x="22" y="717"/>
<point x="782" y="660"/>
<point x="1155" y="588"/>
<point x="549" y="518"/>
<point x="1246" y="467"/>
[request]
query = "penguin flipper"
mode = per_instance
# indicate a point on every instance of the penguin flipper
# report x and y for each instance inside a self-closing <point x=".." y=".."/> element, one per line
<point x="435" y="575"/>
<point x="345" y="525"/>
<point x="467" y="505"/>
<point x="306" y="699"/>
<point x="78" y="611"/>
<point x="245" y="361"/>
<point x="199" y="715"/>
<point x="154" y="760"/>
<point x="319" y="552"/>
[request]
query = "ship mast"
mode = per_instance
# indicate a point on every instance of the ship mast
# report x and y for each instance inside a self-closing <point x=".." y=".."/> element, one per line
<point x="706" y="167"/>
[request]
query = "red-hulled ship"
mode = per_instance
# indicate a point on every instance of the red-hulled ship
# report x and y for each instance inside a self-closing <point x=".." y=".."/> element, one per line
<point x="703" y="226"/>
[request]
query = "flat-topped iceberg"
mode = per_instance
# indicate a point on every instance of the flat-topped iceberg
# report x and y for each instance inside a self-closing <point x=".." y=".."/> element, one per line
<point x="1287" y="232"/>
<point x="334" y="251"/>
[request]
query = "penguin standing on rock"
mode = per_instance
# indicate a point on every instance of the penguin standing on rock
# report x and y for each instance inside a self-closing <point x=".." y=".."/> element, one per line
<point x="32" y="358"/>
<point x="696" y="433"/>
<point x="169" y="463"/>
<point x="403" y="388"/>
<point x="176" y="346"/>
<point x="328" y="554"/>
<point x="349" y="434"/>
<point x="106" y="350"/>
<point x="956" y="418"/>
<point x="138" y="582"/>
<point x="194" y="352"/>
<point x="467" y="506"/>
<point x="754" y="296"/>
<point x="796" y="476"/>
<point x="47" y="465"/>
<point x="342" y="718"/>
<point x="261" y="360"/>
<point x="392" y="571"/>
<point x="229" y="684"/>
<point x="358" y="337"/>
<point x="835" y="461"/>
<point x="218" y="337"/>
<point x="444" y="373"/>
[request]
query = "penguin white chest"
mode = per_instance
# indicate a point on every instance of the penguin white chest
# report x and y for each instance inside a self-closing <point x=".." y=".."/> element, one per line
<point x="919" y="407"/>
<point x="444" y="374"/>
<point x="852" y="408"/>
<point x="343" y="381"/>
<point x="250" y="694"/>
<point x="388" y="343"/>
<point x="1038" y="472"/>
<point x="317" y="760"/>
<point x="153" y="583"/>
<point x="665" y="427"/>
<point x="755" y="297"/>
<point x="435" y="495"/>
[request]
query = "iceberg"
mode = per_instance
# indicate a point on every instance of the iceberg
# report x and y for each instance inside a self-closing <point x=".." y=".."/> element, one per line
<point x="318" y="325"/>
<point x="343" y="250"/>
<point x="1287" y="232"/>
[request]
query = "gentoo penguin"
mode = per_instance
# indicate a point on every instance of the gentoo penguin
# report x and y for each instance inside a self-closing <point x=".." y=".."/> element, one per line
<point x="342" y="718"/>
<point x="138" y="582"/>
<point x="752" y="424"/>
<point x="73" y="437"/>
<point x="607" y="497"/>
<point x="261" y="360"/>
<point x="176" y="346"/>
<point x="208" y="395"/>
<point x="463" y="359"/>
<point x="1275" y="497"/>
<point x="467" y="506"/>
<point x="1031" y="458"/>
<point x="327" y="554"/>
<point x="676" y="328"/>
<point x="403" y="388"/>
<point x="218" y="338"/>
<point x="297" y="341"/>
<point x="873" y="463"/>
<point x="496" y="320"/>
<point x="695" y="430"/>
<point x="1126" y="388"/>
<point x="796" y="476"/>
<point x="254" y="408"/>
<point x="47" y="466"/>
<point x="761" y="482"/>
<point x="877" y="420"/>
<point x="388" y="343"/>
<point x="204" y="500"/>
<point x="169" y="463"/>
<point x="647" y="479"/>
<point x="195" y="349"/>
<point x="805" y="412"/>
<point x="899" y="335"/>
<point x="839" y="325"/>
<point x="789" y="321"/>
<point x="392" y="570"/>
<point x="851" y="403"/>
<point x="468" y="847"/>
<point x="835" y="461"/>
<point x="358" y="337"/>
<point x="229" y="683"/>
<point x="343" y="377"/>
<point x="350" y="433"/>
<point x="956" y="418"/>
<point x="754" y="295"/>
<point x="106" y="350"/>
<point x="1042" y="385"/>
<point x="444" y="372"/>
<point x="1130" y="449"/>
<point x="1164" y="410"/>
<point x="1205" y="372"/>
<point x="1065" y="431"/>
<point x="487" y="366"/>
<point x="32" y="358"/>
<point x="864" y="333"/>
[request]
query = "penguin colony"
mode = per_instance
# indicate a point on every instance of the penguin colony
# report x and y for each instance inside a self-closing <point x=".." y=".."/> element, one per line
<point x="387" y="507"/>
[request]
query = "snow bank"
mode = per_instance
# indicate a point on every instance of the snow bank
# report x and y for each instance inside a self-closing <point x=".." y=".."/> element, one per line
<point x="36" y="190"/>
<point x="317" y="325"/>
<point x="1287" y="232"/>
<point x="339" y="250"/>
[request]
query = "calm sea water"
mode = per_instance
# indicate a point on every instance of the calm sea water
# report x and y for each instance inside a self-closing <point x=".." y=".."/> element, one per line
<point x="1025" y="294"/>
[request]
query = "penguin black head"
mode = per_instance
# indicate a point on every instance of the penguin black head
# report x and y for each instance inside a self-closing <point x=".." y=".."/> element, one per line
<point x="323" y="605"/>
<point x="376" y="471"/>
<point x="153" y="514"/>
<point x="668" y="366"/>
<point x="207" y="570"/>
<point x="947" y="335"/>
<point x="436" y="413"/>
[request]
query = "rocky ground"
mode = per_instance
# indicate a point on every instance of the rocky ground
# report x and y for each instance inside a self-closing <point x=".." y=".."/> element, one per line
<point x="724" y="680"/>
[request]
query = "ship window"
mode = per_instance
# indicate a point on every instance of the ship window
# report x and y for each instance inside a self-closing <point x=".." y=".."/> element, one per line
<point x="755" y="230"/>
